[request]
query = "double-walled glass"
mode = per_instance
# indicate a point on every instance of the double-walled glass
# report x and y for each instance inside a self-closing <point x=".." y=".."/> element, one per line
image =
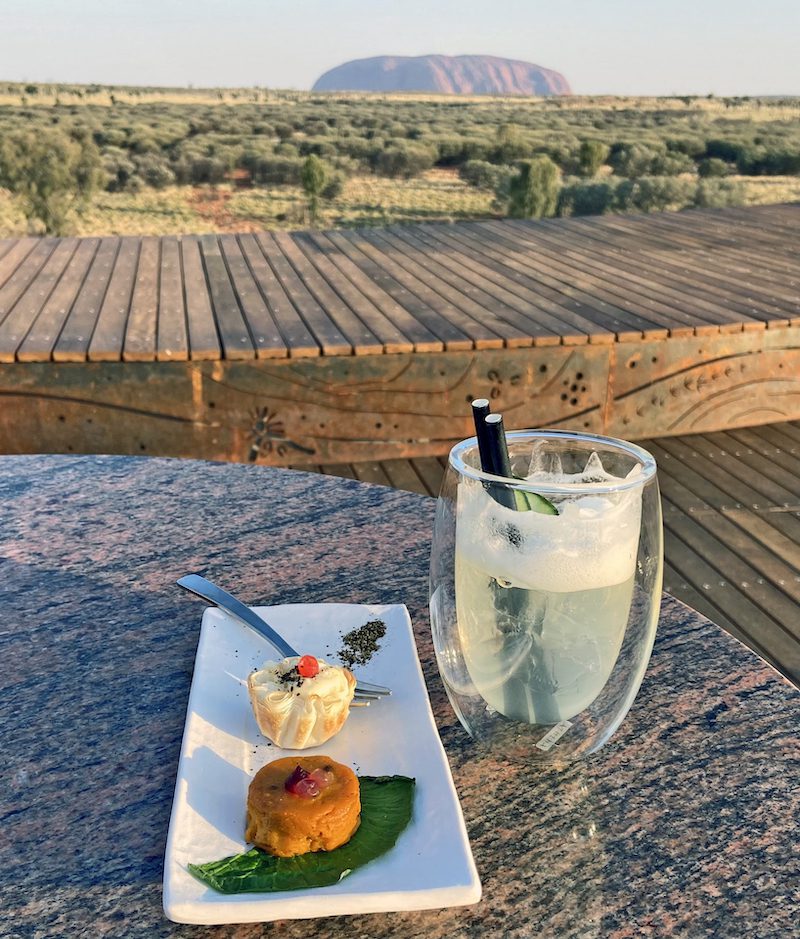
<point x="545" y="590"/>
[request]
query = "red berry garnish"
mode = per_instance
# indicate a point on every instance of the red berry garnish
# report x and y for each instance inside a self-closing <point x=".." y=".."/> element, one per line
<point x="306" y="788"/>
<point x="298" y="775"/>
<point x="301" y="783"/>
<point x="308" y="666"/>
<point x="321" y="777"/>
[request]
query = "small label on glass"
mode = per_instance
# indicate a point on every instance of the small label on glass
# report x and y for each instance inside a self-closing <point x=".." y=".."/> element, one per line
<point x="553" y="735"/>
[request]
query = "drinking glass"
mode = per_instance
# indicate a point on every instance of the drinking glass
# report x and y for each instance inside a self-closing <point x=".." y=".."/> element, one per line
<point x="545" y="590"/>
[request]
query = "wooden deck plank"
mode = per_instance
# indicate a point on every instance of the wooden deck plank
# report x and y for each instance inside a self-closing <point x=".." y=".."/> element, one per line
<point x="24" y="275"/>
<point x="582" y="323"/>
<point x="264" y="330"/>
<point x="330" y="338"/>
<point x="345" y="470"/>
<point x="371" y="472"/>
<point x="430" y="472"/>
<point x="388" y="334"/>
<point x="413" y="294"/>
<point x="732" y="583"/>
<point x="542" y="329"/>
<point x="683" y="300"/>
<point x="341" y="256"/>
<point x="769" y="271"/>
<point x="15" y="256"/>
<point x="108" y="337"/>
<point x="705" y="579"/>
<point x="716" y="268"/>
<point x="233" y="332"/>
<point x="142" y="326"/>
<point x="299" y="339"/>
<point x="711" y="295"/>
<point x="536" y="270"/>
<point x="673" y="266"/>
<point x="425" y="287"/>
<point x="741" y="532"/>
<point x="772" y="472"/>
<point x="42" y="336"/>
<point x="359" y="336"/>
<point x="676" y="584"/>
<point x="76" y="334"/>
<point x="539" y="310"/>
<point x="729" y="231"/>
<point x="500" y="321"/>
<point x="204" y="341"/>
<point x="540" y="260"/>
<point x="172" y="338"/>
<point x="484" y="330"/>
<point x="16" y="325"/>
<point x="632" y="289"/>
<point x="739" y="496"/>
<point x="402" y="475"/>
<point x="771" y="230"/>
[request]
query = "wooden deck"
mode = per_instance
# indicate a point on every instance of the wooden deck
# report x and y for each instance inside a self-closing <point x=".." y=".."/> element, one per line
<point x="732" y="526"/>
<point x="346" y="345"/>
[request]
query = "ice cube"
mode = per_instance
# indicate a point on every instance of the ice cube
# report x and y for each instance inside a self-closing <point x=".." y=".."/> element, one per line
<point x="594" y="471"/>
<point x="544" y="464"/>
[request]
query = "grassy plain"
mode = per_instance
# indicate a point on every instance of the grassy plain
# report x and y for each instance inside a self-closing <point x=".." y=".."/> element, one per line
<point x="438" y="195"/>
<point x="165" y="140"/>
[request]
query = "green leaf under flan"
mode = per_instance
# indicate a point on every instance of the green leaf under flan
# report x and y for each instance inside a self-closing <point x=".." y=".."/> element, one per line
<point x="386" y="803"/>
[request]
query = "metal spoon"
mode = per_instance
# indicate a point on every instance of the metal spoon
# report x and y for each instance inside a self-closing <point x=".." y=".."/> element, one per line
<point x="200" y="587"/>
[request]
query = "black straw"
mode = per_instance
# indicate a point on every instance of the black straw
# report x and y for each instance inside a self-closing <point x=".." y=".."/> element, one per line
<point x="497" y="446"/>
<point x="480" y="409"/>
<point x="499" y="463"/>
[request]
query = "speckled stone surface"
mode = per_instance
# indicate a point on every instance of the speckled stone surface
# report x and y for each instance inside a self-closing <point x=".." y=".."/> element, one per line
<point x="685" y="824"/>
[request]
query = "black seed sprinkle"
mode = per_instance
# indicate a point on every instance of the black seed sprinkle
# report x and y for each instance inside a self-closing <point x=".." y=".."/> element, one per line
<point x="359" y="645"/>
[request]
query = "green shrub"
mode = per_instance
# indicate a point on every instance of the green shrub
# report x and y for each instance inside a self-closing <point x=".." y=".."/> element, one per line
<point x="668" y="163"/>
<point x="718" y="193"/>
<point x="533" y="192"/>
<point x="511" y="146"/>
<point x="591" y="156"/>
<point x="655" y="193"/>
<point x="277" y="171"/>
<point x="53" y="174"/>
<point x="581" y="198"/>
<point x="713" y="167"/>
<point x="312" y="178"/>
<point x="632" y="160"/>
<point x="404" y="161"/>
<point x="154" y="170"/>
<point x="119" y="168"/>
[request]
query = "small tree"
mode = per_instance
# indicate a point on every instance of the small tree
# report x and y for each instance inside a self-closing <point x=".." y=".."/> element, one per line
<point x="51" y="173"/>
<point x="592" y="155"/>
<point x="533" y="193"/>
<point x="313" y="180"/>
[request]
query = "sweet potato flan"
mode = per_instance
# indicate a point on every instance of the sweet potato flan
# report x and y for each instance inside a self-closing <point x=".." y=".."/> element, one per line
<point x="301" y="804"/>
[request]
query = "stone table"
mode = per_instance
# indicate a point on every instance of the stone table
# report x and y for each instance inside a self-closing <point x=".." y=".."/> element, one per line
<point x="685" y="824"/>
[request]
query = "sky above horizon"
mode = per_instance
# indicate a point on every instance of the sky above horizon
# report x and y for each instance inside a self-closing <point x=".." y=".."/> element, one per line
<point x="600" y="46"/>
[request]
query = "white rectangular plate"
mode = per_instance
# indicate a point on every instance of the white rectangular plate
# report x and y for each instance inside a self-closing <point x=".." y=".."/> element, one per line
<point x="431" y="865"/>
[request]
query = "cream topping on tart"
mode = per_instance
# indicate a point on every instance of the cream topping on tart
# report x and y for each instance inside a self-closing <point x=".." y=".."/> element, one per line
<point x="300" y="701"/>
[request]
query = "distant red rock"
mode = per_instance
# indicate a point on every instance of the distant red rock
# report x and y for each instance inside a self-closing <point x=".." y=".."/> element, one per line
<point x="444" y="74"/>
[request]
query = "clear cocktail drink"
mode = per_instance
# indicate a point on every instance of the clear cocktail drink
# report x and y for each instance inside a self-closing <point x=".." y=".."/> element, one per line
<point x="543" y="600"/>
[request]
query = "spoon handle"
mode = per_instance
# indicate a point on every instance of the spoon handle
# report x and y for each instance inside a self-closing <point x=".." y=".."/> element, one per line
<point x="204" y="589"/>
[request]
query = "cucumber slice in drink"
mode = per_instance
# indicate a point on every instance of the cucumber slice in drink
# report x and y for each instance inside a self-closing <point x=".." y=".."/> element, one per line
<point x="533" y="502"/>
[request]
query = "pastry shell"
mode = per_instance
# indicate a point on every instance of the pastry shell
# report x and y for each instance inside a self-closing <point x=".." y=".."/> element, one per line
<point x="298" y="716"/>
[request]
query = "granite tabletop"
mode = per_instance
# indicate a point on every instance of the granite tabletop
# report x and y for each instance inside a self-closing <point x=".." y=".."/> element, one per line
<point x="685" y="824"/>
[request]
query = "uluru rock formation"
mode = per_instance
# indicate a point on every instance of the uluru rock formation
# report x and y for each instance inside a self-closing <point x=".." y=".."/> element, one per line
<point x="444" y="74"/>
